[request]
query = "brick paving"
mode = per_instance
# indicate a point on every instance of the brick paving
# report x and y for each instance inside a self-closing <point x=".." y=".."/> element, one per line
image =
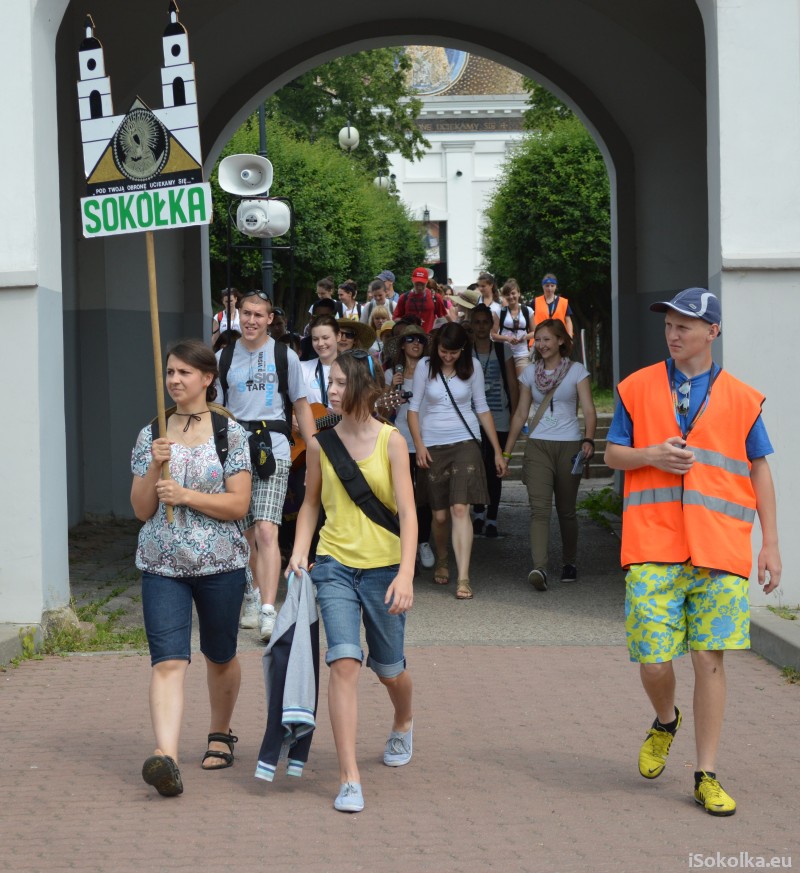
<point x="528" y="721"/>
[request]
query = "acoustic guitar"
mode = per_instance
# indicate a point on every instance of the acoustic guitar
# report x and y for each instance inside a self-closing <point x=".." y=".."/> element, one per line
<point x="324" y="418"/>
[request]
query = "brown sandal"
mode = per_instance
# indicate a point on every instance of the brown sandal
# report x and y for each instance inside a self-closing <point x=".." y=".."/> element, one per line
<point x="441" y="571"/>
<point x="464" y="590"/>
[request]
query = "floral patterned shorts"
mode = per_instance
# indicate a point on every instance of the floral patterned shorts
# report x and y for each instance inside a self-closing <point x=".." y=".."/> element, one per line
<point x="671" y="608"/>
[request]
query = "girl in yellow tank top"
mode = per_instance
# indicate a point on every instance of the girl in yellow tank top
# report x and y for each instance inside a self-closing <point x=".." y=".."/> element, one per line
<point x="362" y="570"/>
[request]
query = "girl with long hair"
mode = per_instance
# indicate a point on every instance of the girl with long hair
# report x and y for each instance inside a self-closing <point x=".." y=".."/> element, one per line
<point x="363" y="570"/>
<point x="553" y="446"/>
<point x="411" y="345"/>
<point x="200" y="557"/>
<point x="448" y="447"/>
<point x="514" y="324"/>
<point x="490" y="295"/>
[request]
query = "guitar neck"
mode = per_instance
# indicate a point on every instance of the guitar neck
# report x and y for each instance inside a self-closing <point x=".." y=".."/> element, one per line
<point x="329" y="420"/>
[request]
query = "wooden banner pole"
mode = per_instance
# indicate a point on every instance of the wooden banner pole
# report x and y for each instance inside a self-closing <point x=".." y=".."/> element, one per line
<point x="157" y="365"/>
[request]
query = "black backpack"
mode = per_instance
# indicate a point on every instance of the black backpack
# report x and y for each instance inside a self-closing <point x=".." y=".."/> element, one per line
<point x="282" y="368"/>
<point x="219" y="425"/>
<point x="504" y="313"/>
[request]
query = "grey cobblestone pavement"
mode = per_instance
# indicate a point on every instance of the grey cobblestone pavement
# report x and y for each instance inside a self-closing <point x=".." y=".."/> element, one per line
<point x="528" y="719"/>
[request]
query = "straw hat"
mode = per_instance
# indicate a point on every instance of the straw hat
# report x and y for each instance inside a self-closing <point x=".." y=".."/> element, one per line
<point x="467" y="298"/>
<point x="365" y="335"/>
<point x="387" y="325"/>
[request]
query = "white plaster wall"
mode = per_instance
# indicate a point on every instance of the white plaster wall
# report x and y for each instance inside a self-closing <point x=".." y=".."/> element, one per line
<point x="754" y="102"/>
<point x="33" y="527"/>
<point x="461" y="201"/>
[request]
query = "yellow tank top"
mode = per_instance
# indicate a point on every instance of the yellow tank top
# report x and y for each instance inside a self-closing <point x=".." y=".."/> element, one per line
<point x="348" y="535"/>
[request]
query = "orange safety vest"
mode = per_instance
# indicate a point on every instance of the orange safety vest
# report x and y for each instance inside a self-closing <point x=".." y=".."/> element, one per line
<point x="706" y="515"/>
<point x="541" y="311"/>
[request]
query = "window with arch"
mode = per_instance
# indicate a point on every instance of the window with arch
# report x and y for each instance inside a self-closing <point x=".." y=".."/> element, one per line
<point x="178" y="92"/>
<point x="95" y="105"/>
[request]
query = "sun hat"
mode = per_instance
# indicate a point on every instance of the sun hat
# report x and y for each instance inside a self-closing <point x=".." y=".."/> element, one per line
<point x="387" y="325"/>
<point x="467" y="298"/>
<point x="694" y="302"/>
<point x="365" y="335"/>
<point x="420" y="275"/>
<point x="414" y="330"/>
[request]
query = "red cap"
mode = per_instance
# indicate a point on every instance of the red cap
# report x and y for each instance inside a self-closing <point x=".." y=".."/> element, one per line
<point x="420" y="275"/>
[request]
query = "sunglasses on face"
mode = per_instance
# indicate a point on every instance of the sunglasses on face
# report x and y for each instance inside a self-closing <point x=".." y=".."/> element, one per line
<point x="413" y="339"/>
<point x="347" y="334"/>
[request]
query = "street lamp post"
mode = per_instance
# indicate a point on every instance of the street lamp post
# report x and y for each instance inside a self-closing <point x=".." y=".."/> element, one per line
<point x="266" y="244"/>
<point x="348" y="138"/>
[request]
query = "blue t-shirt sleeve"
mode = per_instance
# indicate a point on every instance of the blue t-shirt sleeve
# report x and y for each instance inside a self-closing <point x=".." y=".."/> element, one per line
<point x="757" y="443"/>
<point x="621" y="429"/>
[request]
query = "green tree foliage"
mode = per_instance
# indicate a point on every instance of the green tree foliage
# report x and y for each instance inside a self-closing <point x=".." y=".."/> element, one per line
<point x="344" y="226"/>
<point x="544" y="110"/>
<point x="551" y="212"/>
<point x="368" y="89"/>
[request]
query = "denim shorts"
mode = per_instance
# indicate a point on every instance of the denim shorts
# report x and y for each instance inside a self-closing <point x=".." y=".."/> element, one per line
<point x="343" y="593"/>
<point x="167" y="607"/>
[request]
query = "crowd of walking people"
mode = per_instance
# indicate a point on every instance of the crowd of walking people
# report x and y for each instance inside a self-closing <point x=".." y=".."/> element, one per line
<point x="372" y="448"/>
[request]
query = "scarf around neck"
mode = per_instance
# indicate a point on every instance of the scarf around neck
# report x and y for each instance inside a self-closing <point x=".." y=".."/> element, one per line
<point x="547" y="381"/>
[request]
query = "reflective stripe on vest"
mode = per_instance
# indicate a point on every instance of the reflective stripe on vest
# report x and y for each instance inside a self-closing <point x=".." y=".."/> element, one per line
<point x="717" y="459"/>
<point x="717" y="504"/>
<point x="650" y="496"/>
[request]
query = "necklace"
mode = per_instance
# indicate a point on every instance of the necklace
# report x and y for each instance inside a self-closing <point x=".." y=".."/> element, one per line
<point x="191" y="416"/>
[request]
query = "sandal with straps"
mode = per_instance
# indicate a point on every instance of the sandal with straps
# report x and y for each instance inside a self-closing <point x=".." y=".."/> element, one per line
<point x="441" y="571"/>
<point x="464" y="590"/>
<point x="229" y="739"/>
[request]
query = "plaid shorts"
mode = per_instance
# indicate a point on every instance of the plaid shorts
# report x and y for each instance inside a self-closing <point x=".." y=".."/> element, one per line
<point x="266" y="502"/>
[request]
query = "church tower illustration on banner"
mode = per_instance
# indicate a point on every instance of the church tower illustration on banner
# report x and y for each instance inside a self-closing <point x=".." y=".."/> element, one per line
<point x="98" y="122"/>
<point x="144" y="148"/>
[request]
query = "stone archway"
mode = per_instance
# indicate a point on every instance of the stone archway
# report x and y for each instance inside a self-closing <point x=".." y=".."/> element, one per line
<point x="691" y="203"/>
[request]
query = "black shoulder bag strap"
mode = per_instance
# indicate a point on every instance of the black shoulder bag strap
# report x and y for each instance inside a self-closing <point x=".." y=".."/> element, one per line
<point x="455" y="406"/>
<point x="282" y="368"/>
<point x="354" y="482"/>
<point x="225" y="360"/>
<point x="501" y="360"/>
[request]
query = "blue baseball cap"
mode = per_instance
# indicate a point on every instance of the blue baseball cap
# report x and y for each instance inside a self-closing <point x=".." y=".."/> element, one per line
<point x="694" y="302"/>
<point x="386" y="275"/>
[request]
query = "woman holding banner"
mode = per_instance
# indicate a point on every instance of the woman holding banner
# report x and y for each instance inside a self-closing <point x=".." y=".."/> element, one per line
<point x="200" y="557"/>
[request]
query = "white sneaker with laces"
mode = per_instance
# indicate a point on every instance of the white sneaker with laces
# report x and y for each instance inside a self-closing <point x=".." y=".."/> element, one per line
<point x="267" y="624"/>
<point x="426" y="556"/>
<point x="398" y="748"/>
<point x="252" y="610"/>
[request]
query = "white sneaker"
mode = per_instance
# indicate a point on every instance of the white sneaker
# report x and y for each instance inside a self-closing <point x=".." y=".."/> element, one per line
<point x="251" y="611"/>
<point x="268" y="616"/>
<point x="426" y="556"/>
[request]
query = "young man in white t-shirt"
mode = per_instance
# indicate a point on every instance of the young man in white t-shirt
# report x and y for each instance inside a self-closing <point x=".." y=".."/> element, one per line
<point x="253" y="396"/>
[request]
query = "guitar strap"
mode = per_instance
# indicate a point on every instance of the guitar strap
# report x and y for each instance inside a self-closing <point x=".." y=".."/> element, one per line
<point x="323" y="388"/>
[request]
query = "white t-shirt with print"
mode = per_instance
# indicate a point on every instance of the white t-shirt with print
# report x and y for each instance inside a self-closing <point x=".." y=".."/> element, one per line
<point x="253" y="389"/>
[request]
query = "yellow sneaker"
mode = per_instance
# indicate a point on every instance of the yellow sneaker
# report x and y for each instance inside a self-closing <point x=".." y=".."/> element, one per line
<point x="654" y="751"/>
<point x="713" y="798"/>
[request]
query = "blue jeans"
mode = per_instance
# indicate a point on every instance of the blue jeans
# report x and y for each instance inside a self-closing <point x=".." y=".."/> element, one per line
<point x="343" y="593"/>
<point x="167" y="607"/>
